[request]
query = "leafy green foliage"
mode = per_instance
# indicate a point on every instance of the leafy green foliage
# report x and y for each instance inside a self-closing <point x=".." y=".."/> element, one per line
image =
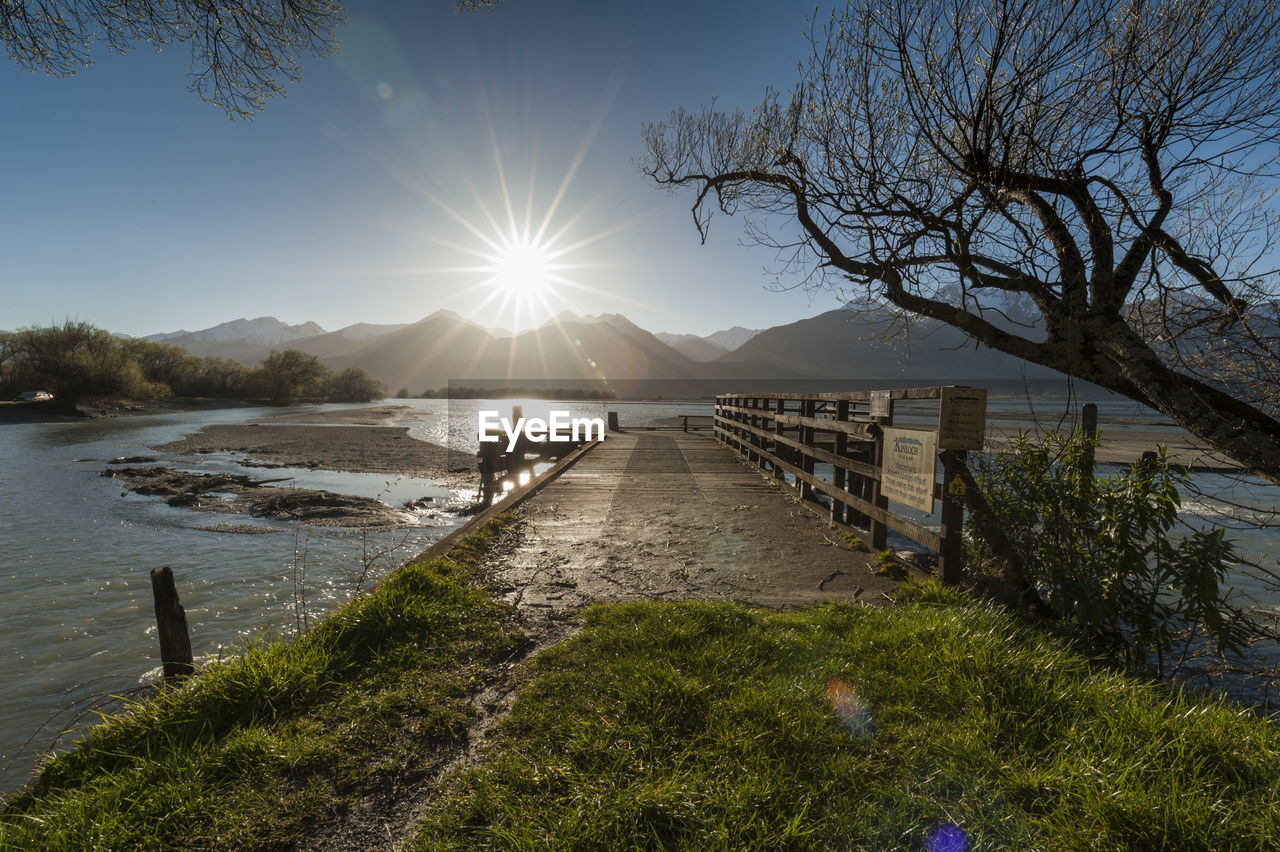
<point x="1104" y="551"/>
<point x="353" y="385"/>
<point x="291" y="374"/>
<point x="78" y="362"/>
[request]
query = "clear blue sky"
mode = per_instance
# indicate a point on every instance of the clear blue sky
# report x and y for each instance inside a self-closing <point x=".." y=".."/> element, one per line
<point x="130" y="204"/>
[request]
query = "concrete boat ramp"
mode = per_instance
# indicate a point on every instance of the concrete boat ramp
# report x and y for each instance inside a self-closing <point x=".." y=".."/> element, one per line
<point x="673" y="516"/>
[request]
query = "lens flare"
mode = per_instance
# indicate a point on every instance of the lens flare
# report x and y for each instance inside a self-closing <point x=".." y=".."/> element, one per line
<point x="853" y="713"/>
<point x="947" y="838"/>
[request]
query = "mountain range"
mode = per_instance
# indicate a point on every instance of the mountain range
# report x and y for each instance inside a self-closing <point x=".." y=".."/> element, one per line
<point x="839" y="348"/>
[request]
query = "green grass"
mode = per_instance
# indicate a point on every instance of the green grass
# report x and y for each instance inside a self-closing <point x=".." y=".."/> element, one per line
<point x="713" y="726"/>
<point x="253" y="750"/>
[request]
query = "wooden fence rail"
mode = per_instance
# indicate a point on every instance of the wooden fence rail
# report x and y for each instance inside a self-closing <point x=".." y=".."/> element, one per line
<point x="788" y="435"/>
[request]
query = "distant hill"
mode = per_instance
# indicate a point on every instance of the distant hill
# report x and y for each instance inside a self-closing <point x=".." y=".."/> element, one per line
<point x="851" y="344"/>
<point x="712" y="346"/>
<point x="365" y="330"/>
<point x="263" y="330"/>
<point x="692" y="346"/>
<point x="731" y="338"/>
<point x="839" y="349"/>
<point x="593" y="350"/>
<point x="423" y="355"/>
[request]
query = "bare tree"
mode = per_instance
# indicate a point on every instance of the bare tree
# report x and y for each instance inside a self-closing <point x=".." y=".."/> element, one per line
<point x="242" y="51"/>
<point x="1109" y="163"/>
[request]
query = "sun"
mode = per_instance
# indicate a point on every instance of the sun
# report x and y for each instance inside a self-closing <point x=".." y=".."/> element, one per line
<point x="523" y="269"/>
<point x="527" y="255"/>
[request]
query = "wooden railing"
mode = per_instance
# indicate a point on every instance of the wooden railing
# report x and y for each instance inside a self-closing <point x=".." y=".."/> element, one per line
<point x="788" y="435"/>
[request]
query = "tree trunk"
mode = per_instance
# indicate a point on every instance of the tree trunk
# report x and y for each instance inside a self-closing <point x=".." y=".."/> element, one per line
<point x="1225" y="423"/>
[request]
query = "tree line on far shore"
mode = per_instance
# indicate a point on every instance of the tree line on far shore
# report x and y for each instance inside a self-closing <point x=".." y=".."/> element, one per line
<point x="78" y="362"/>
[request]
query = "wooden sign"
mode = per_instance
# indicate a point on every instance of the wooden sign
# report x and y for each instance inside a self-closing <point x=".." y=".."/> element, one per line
<point x="962" y="418"/>
<point x="907" y="468"/>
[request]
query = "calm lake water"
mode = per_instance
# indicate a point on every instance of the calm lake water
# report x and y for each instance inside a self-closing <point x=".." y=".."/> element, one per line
<point x="76" y="594"/>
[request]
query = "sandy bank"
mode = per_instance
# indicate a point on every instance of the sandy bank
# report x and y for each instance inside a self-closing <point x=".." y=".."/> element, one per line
<point x="356" y="449"/>
<point x="377" y="416"/>
<point x="1126" y="446"/>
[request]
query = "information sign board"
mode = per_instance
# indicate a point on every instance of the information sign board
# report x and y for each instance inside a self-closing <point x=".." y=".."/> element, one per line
<point x="907" y="469"/>
<point x="962" y="418"/>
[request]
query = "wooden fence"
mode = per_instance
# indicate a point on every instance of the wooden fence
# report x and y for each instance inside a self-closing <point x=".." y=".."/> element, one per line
<point x="790" y="434"/>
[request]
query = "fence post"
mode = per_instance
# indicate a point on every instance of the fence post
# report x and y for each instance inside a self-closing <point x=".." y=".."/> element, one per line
<point x="779" y="407"/>
<point x="751" y="439"/>
<point x="839" y="476"/>
<point x="487" y="461"/>
<point x="171" y="624"/>
<point x="879" y="532"/>
<point x="951" y="556"/>
<point x="1089" y="426"/>
<point x="808" y="408"/>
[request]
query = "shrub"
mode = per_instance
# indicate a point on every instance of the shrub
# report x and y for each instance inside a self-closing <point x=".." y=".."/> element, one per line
<point x="1103" y="551"/>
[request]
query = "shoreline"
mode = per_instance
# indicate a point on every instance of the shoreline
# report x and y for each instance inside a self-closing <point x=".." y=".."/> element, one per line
<point x="41" y="412"/>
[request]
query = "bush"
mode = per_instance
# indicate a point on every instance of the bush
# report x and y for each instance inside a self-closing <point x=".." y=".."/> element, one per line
<point x="353" y="385"/>
<point x="78" y="361"/>
<point x="1102" y="551"/>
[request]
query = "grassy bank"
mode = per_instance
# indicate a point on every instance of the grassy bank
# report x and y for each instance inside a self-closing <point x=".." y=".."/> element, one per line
<point x="287" y="733"/>
<point x="940" y="724"/>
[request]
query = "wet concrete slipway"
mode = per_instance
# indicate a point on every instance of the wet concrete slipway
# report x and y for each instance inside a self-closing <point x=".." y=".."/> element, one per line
<point x="674" y="516"/>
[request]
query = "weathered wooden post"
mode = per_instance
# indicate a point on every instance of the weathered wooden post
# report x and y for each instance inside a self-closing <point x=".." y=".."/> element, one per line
<point x="1089" y="419"/>
<point x="684" y="422"/>
<point x="881" y="416"/>
<point x="613" y="421"/>
<point x="962" y="426"/>
<point x="808" y="410"/>
<point x="1089" y="428"/>
<point x="838" y="474"/>
<point x="171" y="624"/>
<point x="951" y="554"/>
<point x="487" y="461"/>
<point x="779" y="407"/>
